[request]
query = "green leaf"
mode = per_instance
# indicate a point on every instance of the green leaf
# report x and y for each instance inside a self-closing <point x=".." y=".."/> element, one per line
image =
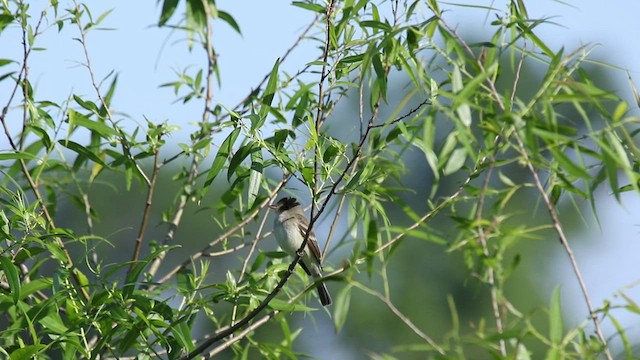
<point x="376" y="25"/>
<point x="278" y="138"/>
<point x="255" y="179"/>
<point x="381" y="80"/>
<point x="221" y="157"/>
<point x="239" y="156"/>
<point x="267" y="96"/>
<point x="88" y="105"/>
<point x="82" y="151"/>
<point x="36" y="285"/>
<point x="196" y="15"/>
<point x="168" y="8"/>
<point x="284" y="305"/>
<point x="373" y="240"/>
<point x="341" y="308"/>
<point x="4" y="62"/>
<point x="13" y="278"/>
<point x="18" y="155"/>
<point x="77" y="119"/>
<point x="134" y="274"/>
<point x="53" y="323"/>
<point x="182" y="333"/>
<point x="229" y="20"/>
<point x="568" y="165"/>
<point x="455" y="161"/>
<point x="460" y="104"/>
<point x="27" y="352"/>
<point x="184" y="280"/>
<point x="330" y="153"/>
<point x="555" y="318"/>
<point x="313" y="7"/>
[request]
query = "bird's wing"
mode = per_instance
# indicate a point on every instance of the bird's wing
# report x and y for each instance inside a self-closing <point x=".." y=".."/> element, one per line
<point x="312" y="243"/>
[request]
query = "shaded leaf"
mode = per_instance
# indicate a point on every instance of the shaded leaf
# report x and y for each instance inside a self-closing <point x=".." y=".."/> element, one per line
<point x="12" y="276"/>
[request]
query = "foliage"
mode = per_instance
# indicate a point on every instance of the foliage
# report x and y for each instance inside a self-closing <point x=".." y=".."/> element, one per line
<point x="461" y="104"/>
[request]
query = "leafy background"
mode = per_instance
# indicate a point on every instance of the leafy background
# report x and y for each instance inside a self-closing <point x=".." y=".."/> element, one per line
<point x="145" y="57"/>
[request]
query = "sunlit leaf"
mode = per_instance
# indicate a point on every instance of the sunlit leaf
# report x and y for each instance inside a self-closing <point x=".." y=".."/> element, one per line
<point x="222" y="156"/>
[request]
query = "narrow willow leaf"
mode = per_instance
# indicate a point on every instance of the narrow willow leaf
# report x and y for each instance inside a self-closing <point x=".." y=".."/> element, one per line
<point x="568" y="165"/>
<point x="460" y="105"/>
<point x="11" y="274"/>
<point x="182" y="332"/>
<point x="81" y="151"/>
<point x="239" y="156"/>
<point x="341" y="308"/>
<point x="53" y="323"/>
<point x="555" y="318"/>
<point x="226" y="17"/>
<point x="373" y="241"/>
<point x="623" y="159"/>
<point x="610" y="166"/>
<point x="267" y="96"/>
<point x="381" y="77"/>
<point x="134" y="274"/>
<point x="634" y="90"/>
<point x="221" y="157"/>
<point x="312" y="7"/>
<point x="18" y="155"/>
<point x="376" y="25"/>
<point x="455" y="161"/>
<point x="255" y="178"/>
<point x="77" y="119"/>
<point x="86" y="104"/>
<point x="620" y="111"/>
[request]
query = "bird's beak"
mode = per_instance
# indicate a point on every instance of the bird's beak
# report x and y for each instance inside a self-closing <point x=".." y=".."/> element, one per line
<point x="274" y="207"/>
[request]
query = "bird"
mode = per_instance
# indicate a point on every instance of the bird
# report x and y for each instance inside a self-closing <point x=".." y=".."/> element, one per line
<point x="290" y="227"/>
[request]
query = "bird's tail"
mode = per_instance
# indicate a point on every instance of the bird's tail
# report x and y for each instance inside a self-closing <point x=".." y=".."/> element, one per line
<point x="323" y="293"/>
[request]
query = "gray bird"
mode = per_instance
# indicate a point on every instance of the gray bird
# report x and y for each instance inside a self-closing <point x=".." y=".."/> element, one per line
<point x="289" y="228"/>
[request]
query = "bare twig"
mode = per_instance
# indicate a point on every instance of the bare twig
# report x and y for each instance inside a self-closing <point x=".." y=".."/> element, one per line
<point x="485" y="250"/>
<point x="96" y="86"/>
<point x="220" y="238"/>
<point x="400" y="316"/>
<point x="146" y="212"/>
<point x="256" y="324"/>
<point x="320" y="110"/>
<point x="245" y="263"/>
<point x="557" y="226"/>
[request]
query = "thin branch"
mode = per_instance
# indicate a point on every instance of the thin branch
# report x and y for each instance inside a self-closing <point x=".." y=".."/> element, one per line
<point x="400" y="316"/>
<point x="256" y="89"/>
<point x="22" y="81"/>
<point x="320" y="110"/>
<point x="485" y="250"/>
<point x="334" y="224"/>
<point x="565" y="243"/>
<point x="253" y="313"/>
<point x="550" y="207"/>
<point x="220" y="238"/>
<point x="243" y="333"/>
<point x="123" y="139"/>
<point x="147" y="211"/>
<point x="245" y="263"/>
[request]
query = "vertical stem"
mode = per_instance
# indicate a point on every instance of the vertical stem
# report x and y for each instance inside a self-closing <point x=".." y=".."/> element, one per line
<point x="320" y="109"/>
